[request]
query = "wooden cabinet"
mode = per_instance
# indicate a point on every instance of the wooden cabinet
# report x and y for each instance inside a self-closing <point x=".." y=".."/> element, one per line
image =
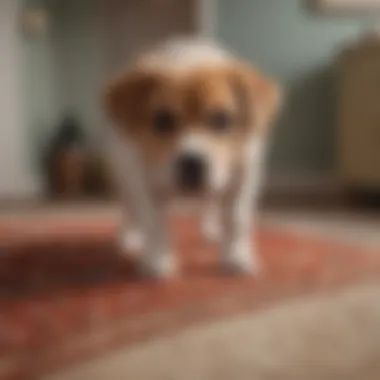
<point x="358" y="134"/>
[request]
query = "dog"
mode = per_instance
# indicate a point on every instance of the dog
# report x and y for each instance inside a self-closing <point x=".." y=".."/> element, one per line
<point x="190" y="118"/>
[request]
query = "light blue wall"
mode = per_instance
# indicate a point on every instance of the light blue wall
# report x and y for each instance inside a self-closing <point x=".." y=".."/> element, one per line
<point x="298" y="46"/>
<point x="80" y="54"/>
<point x="63" y="68"/>
<point x="40" y="83"/>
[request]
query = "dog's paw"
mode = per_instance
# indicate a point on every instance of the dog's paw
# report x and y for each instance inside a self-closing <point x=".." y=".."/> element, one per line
<point x="158" y="266"/>
<point x="131" y="241"/>
<point x="211" y="230"/>
<point x="241" y="261"/>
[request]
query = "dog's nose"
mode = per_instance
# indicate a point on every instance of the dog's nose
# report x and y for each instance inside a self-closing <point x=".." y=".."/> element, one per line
<point x="191" y="172"/>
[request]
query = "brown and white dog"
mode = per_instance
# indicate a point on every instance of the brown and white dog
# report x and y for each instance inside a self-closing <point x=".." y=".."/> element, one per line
<point x="190" y="118"/>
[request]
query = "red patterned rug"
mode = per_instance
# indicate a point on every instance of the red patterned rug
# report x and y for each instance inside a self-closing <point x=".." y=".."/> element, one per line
<point x="66" y="295"/>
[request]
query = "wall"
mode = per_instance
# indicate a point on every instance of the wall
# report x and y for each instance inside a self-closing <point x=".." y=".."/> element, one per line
<point x="132" y="26"/>
<point x="93" y="38"/>
<point x="79" y="58"/>
<point x="297" y="47"/>
<point x="16" y="174"/>
<point x="40" y="84"/>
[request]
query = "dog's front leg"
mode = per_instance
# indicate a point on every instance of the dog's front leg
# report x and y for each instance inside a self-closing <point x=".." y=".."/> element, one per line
<point x="131" y="237"/>
<point x="157" y="259"/>
<point x="149" y="231"/>
<point x="210" y="222"/>
<point x="238" y="251"/>
<point x="146" y="230"/>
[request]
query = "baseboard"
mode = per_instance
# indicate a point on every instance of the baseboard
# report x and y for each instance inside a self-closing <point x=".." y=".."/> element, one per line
<point x="300" y="187"/>
<point x="27" y="190"/>
<point x="301" y="182"/>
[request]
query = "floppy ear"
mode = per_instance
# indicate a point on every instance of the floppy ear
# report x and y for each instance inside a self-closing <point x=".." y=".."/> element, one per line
<point x="125" y="96"/>
<point x="259" y="96"/>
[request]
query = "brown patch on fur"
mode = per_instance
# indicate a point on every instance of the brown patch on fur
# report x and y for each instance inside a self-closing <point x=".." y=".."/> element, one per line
<point x="259" y="94"/>
<point x="125" y="97"/>
<point x="250" y="99"/>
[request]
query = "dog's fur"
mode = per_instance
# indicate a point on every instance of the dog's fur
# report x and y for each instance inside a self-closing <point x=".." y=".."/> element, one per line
<point x="192" y="79"/>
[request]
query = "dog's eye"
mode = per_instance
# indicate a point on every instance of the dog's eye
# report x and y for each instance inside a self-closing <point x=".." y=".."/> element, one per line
<point x="164" y="121"/>
<point x="220" y="120"/>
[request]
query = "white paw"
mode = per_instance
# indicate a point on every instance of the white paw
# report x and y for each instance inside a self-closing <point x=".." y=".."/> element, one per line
<point x="131" y="240"/>
<point x="211" y="230"/>
<point x="158" y="266"/>
<point x="242" y="260"/>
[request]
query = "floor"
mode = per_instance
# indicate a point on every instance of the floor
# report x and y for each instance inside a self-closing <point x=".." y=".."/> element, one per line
<point x="66" y="297"/>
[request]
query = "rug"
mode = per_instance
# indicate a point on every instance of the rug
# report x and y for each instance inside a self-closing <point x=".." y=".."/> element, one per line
<point x="67" y="296"/>
<point x="333" y="336"/>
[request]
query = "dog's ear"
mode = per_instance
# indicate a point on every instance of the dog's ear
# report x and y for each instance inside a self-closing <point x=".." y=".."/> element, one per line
<point x="124" y="97"/>
<point x="259" y="97"/>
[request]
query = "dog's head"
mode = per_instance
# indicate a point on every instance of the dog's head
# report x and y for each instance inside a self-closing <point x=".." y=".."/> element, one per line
<point x="192" y="127"/>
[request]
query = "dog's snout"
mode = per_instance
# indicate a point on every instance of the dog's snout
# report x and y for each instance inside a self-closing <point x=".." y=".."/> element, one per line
<point x="191" y="171"/>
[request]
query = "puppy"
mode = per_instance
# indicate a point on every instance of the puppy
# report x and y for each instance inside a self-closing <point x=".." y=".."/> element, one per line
<point x="189" y="118"/>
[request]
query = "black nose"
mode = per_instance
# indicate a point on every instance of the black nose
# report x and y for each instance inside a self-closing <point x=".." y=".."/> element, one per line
<point x="191" y="172"/>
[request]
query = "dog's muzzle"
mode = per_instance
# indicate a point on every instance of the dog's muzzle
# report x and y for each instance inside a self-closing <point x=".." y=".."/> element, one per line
<point x="191" y="172"/>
